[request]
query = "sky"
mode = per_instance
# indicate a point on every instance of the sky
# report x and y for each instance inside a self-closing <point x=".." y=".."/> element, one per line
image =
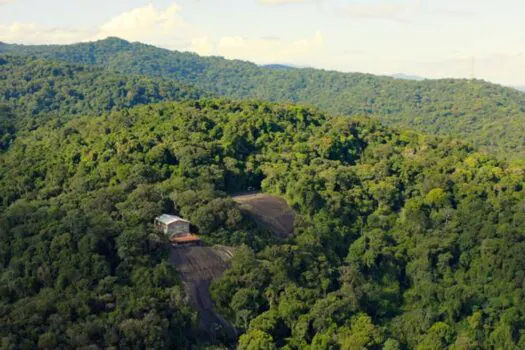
<point x="484" y="39"/>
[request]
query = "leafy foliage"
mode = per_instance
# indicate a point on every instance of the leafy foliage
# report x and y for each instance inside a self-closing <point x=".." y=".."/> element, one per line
<point x="81" y="264"/>
<point x="490" y="116"/>
<point x="402" y="240"/>
<point x="33" y="91"/>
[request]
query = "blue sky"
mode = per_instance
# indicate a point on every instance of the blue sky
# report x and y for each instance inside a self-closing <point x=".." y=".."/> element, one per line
<point x="430" y="38"/>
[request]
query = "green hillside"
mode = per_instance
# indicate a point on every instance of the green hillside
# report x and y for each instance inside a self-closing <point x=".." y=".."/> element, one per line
<point x="490" y="116"/>
<point x="33" y="91"/>
<point x="402" y="241"/>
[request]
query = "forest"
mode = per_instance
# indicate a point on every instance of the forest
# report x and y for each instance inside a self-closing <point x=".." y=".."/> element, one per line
<point x="489" y="116"/>
<point x="405" y="236"/>
<point x="403" y="241"/>
<point x="33" y="91"/>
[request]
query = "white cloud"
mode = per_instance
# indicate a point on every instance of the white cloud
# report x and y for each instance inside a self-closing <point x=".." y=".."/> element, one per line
<point x="280" y="2"/>
<point x="158" y="26"/>
<point x="148" y="24"/>
<point x="379" y="11"/>
<point x="202" y="45"/>
<point x="166" y="27"/>
<point x="3" y="2"/>
<point x="30" y="33"/>
<point x="398" y="11"/>
<point x="269" y="50"/>
<point x="401" y="11"/>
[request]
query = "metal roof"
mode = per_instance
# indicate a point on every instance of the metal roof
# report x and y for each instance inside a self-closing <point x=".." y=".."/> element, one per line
<point x="169" y="219"/>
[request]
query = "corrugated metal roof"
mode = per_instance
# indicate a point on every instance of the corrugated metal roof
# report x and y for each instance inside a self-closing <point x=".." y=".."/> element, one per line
<point x="169" y="219"/>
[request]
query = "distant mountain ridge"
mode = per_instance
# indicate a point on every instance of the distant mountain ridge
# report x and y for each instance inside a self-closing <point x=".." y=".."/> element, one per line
<point x="278" y="66"/>
<point x="407" y="77"/>
<point x="489" y="115"/>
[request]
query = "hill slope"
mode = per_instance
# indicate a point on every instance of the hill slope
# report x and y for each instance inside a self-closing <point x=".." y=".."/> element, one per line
<point x="33" y="91"/>
<point x="491" y="116"/>
<point x="401" y="240"/>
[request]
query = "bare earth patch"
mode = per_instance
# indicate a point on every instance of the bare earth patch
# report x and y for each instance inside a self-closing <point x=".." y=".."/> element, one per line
<point x="271" y="211"/>
<point x="198" y="266"/>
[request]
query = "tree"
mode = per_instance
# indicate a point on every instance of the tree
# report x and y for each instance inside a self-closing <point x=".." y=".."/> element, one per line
<point x="256" y="340"/>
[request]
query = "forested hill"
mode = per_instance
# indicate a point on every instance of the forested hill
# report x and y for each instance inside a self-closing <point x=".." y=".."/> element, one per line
<point x="33" y="91"/>
<point x="402" y="241"/>
<point x="491" y="116"/>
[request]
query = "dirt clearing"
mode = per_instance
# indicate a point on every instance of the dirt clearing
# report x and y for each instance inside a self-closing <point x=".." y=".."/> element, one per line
<point x="271" y="211"/>
<point x="198" y="266"/>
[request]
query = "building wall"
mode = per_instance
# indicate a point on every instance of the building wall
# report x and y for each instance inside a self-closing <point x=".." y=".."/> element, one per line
<point x="178" y="228"/>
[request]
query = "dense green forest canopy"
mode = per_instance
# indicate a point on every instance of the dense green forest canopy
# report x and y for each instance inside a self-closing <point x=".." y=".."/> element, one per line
<point x="402" y="241"/>
<point x="489" y="115"/>
<point x="33" y="91"/>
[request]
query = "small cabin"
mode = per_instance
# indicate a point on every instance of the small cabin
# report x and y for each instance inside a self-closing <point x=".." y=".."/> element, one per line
<point x="172" y="225"/>
<point x="176" y="228"/>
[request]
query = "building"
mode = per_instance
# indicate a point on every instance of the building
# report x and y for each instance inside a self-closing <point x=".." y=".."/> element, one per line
<point x="172" y="225"/>
<point x="176" y="228"/>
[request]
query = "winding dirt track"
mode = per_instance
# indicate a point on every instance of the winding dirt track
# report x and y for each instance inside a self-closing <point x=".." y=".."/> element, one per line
<point x="198" y="266"/>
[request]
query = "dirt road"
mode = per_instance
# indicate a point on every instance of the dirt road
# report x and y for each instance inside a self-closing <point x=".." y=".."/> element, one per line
<point x="198" y="266"/>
